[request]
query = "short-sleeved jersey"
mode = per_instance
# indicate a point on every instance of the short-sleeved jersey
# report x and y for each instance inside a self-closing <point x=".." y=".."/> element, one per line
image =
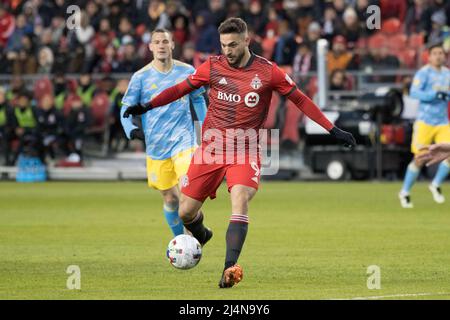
<point x="239" y="97"/>
<point x="426" y="83"/>
<point x="168" y="130"/>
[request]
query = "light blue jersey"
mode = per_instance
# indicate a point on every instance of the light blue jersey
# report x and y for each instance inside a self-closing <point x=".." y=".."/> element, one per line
<point x="169" y="129"/>
<point x="427" y="82"/>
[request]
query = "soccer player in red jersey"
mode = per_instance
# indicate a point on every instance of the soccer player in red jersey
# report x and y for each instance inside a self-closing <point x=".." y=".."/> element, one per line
<point x="241" y="85"/>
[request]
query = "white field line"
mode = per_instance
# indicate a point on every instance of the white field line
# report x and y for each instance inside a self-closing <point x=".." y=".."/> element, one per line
<point x="402" y="295"/>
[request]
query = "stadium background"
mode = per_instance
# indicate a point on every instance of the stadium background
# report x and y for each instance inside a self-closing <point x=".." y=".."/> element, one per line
<point x="40" y="56"/>
<point x="307" y="240"/>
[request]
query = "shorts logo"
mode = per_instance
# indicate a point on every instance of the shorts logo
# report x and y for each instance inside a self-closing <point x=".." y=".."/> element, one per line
<point x="184" y="181"/>
<point x="257" y="171"/>
<point x="153" y="177"/>
<point x="256" y="83"/>
<point x="251" y="99"/>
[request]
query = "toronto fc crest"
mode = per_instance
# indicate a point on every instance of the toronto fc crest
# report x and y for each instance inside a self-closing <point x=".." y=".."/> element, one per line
<point x="256" y="83"/>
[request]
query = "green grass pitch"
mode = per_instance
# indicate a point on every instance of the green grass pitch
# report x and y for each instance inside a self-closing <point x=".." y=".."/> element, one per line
<point x="306" y="241"/>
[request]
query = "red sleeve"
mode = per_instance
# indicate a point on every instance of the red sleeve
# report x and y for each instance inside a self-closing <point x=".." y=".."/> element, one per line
<point x="310" y="109"/>
<point x="196" y="80"/>
<point x="200" y="77"/>
<point x="281" y="81"/>
<point x="171" y="94"/>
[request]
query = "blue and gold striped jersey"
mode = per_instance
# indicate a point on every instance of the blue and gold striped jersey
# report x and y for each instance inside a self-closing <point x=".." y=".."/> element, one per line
<point x="168" y="130"/>
<point x="426" y="83"/>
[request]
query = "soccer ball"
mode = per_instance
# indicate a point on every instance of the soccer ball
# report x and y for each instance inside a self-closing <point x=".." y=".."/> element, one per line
<point x="184" y="252"/>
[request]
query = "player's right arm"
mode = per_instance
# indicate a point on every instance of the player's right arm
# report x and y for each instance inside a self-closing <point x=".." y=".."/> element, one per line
<point x="418" y="87"/>
<point x="196" y="80"/>
<point x="132" y="97"/>
<point x="282" y="83"/>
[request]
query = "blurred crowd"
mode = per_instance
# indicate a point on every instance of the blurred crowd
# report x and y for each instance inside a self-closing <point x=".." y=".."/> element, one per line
<point x="112" y="37"/>
<point x="53" y="120"/>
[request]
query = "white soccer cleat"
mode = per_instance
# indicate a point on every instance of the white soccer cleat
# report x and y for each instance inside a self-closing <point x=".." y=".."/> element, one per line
<point x="437" y="194"/>
<point x="405" y="201"/>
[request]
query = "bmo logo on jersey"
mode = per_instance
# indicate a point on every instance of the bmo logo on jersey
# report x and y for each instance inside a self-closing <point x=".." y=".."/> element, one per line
<point x="251" y="99"/>
<point x="228" y="97"/>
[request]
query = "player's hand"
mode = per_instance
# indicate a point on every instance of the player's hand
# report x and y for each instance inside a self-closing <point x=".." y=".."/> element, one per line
<point x="137" y="134"/>
<point x="434" y="153"/>
<point x="346" y="138"/>
<point x="441" y="95"/>
<point x="136" y="110"/>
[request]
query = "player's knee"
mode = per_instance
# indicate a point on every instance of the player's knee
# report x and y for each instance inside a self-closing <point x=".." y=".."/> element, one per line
<point x="416" y="164"/>
<point x="171" y="202"/>
<point x="186" y="211"/>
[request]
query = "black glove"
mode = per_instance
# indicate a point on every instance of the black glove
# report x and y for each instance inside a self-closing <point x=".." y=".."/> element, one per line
<point x="137" y="134"/>
<point x="346" y="138"/>
<point x="136" y="110"/>
<point x="442" y="96"/>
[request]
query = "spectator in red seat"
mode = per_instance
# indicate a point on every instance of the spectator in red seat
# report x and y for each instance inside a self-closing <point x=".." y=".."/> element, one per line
<point x="181" y="29"/>
<point x="361" y="8"/>
<point x="352" y="29"/>
<point x="304" y="62"/>
<point x="379" y="59"/>
<point x="80" y="42"/>
<point x="116" y="133"/>
<point x="24" y="125"/>
<point x="271" y="27"/>
<point x="50" y="125"/>
<point x="130" y="61"/>
<point x="94" y="14"/>
<point x="77" y="122"/>
<point x="5" y="127"/>
<point x="438" y="22"/>
<point x="285" y="47"/>
<point x="206" y="37"/>
<point x="7" y="24"/>
<point x="416" y="17"/>
<point x="156" y="17"/>
<point x="86" y="89"/>
<point x="109" y="63"/>
<point x="330" y="24"/>
<point x="256" y="17"/>
<point x="23" y="62"/>
<point x="60" y="90"/>
<point x="22" y="28"/>
<point x="126" y="30"/>
<point x="255" y="42"/>
<point x="339" y="6"/>
<point x="313" y="34"/>
<point x="218" y="11"/>
<point x="45" y="60"/>
<point x="17" y="86"/>
<point x="393" y="9"/>
<point x="188" y="53"/>
<point x="102" y="39"/>
<point x="338" y="80"/>
<point x="339" y="57"/>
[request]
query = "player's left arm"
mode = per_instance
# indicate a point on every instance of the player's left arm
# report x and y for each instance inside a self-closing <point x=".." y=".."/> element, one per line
<point x="199" y="104"/>
<point x="282" y="83"/>
<point x="132" y="96"/>
<point x="196" y="80"/>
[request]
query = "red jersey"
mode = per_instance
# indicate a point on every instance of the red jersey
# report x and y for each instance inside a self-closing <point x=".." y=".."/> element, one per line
<point x="239" y="97"/>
